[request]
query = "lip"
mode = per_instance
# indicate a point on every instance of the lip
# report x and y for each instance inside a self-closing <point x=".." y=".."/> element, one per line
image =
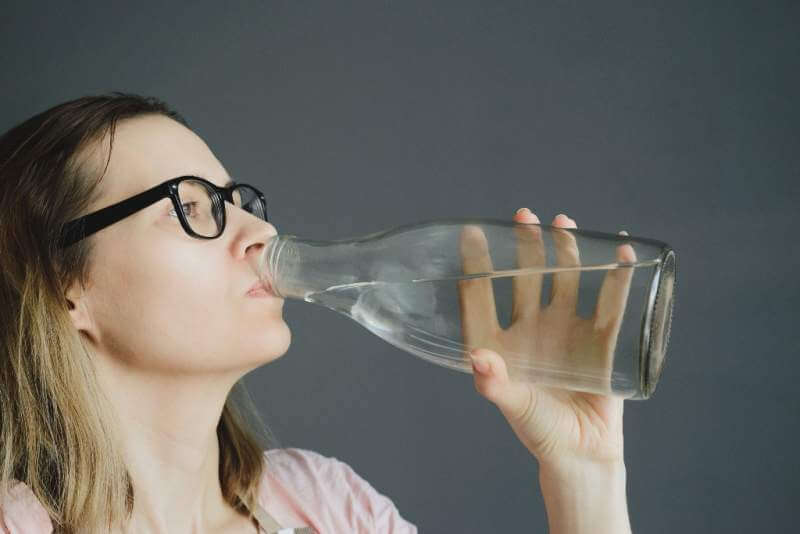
<point x="260" y="289"/>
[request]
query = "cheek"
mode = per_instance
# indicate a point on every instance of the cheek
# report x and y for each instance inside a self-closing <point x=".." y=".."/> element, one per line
<point x="164" y="308"/>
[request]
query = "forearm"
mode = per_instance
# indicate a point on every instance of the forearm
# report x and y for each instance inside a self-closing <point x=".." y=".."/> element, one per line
<point x="585" y="497"/>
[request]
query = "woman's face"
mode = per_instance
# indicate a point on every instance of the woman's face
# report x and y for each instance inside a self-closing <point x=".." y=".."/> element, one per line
<point x="159" y="300"/>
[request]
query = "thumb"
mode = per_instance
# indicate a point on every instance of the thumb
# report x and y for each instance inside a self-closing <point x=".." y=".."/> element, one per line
<point x="514" y="399"/>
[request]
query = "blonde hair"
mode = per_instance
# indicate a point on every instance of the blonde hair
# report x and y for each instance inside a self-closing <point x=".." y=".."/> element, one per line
<point x="56" y="432"/>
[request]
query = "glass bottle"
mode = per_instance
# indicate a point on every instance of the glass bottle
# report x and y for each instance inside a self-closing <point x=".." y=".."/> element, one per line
<point x="567" y="308"/>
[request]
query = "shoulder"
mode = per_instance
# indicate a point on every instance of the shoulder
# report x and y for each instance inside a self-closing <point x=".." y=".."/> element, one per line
<point x="332" y="483"/>
<point x="313" y="476"/>
<point x="21" y="512"/>
<point x="310" y="468"/>
<point x="302" y="463"/>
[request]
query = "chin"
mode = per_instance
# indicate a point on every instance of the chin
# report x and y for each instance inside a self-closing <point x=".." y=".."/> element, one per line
<point x="272" y="345"/>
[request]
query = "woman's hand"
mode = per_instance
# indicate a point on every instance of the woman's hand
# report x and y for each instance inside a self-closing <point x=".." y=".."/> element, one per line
<point x="559" y="427"/>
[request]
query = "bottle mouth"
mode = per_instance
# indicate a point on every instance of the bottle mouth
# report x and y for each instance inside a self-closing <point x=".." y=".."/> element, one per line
<point x="259" y="263"/>
<point x="266" y="265"/>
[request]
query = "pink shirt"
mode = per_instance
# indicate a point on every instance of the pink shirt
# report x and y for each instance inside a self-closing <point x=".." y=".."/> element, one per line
<point x="299" y="488"/>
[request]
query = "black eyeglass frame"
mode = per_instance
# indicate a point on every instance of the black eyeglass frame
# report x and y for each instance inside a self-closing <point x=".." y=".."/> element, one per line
<point x="87" y="225"/>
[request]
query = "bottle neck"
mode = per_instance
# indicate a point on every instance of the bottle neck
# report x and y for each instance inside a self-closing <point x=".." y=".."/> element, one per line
<point x="301" y="267"/>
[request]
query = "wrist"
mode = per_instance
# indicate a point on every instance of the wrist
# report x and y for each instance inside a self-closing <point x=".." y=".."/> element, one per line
<point x="585" y="496"/>
<point x="581" y="470"/>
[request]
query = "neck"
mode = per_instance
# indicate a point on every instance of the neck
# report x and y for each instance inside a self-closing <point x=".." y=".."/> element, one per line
<point x="167" y="427"/>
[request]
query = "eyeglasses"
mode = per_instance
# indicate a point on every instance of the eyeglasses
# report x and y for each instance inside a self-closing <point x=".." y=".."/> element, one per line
<point x="200" y="206"/>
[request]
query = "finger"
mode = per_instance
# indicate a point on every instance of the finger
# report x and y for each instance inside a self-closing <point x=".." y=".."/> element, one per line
<point x="527" y="289"/>
<point x="515" y="399"/>
<point x="476" y="295"/>
<point x="613" y="295"/>
<point x="564" y="293"/>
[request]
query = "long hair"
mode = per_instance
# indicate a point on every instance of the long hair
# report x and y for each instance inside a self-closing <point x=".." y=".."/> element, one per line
<point x="56" y="431"/>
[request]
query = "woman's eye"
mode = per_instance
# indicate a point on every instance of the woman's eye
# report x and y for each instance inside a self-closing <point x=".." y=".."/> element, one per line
<point x="186" y="211"/>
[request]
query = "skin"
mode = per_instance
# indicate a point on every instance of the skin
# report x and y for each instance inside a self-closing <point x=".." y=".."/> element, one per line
<point x="575" y="436"/>
<point x="167" y="317"/>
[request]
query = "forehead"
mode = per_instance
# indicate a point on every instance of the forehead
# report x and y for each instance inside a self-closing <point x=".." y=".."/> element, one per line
<point x="150" y="149"/>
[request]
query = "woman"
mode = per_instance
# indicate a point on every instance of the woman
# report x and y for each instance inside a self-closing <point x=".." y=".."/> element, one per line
<point x="124" y="294"/>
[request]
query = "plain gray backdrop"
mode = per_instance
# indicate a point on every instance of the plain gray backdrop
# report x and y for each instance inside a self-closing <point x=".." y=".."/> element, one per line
<point x="672" y="120"/>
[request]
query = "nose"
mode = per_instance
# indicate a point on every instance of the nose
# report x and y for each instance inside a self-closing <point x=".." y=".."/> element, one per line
<point x="257" y="240"/>
<point x="251" y="234"/>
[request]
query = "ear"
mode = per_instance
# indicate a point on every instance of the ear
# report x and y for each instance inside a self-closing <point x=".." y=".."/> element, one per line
<point x="77" y="300"/>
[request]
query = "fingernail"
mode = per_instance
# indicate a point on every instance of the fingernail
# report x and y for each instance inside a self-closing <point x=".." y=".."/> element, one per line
<point x="523" y="210"/>
<point x="623" y="232"/>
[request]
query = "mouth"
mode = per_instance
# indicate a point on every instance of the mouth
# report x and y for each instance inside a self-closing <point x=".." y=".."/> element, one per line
<point x="262" y="288"/>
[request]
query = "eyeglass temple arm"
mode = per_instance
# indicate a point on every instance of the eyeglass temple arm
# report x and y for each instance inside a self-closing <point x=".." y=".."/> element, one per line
<point x="85" y="226"/>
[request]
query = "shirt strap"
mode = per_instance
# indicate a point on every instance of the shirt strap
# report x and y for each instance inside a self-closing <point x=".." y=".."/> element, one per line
<point x="268" y="524"/>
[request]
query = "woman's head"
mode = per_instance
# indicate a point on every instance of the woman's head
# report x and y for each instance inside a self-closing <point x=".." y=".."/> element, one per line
<point x="140" y="296"/>
<point x="148" y="275"/>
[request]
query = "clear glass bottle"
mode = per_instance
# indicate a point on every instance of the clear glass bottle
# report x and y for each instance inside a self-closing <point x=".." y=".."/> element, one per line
<point x="567" y="308"/>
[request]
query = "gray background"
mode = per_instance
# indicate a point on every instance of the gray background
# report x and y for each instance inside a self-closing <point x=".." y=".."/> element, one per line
<point x="674" y="120"/>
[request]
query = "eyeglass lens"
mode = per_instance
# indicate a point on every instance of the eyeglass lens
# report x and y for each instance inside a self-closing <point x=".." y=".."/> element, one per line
<point x="203" y="208"/>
